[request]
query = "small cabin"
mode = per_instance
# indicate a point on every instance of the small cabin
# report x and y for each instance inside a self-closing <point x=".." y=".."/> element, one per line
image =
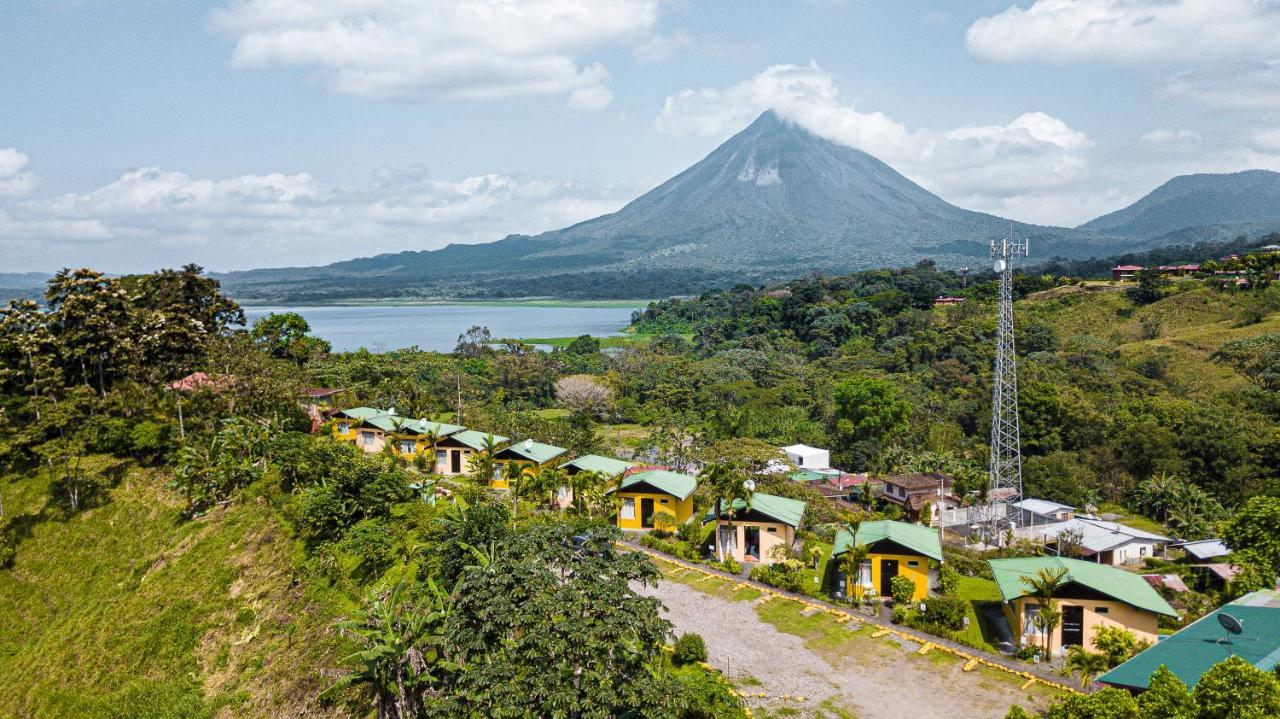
<point x="536" y="454"/>
<point x="455" y="452"/>
<point x="749" y="530"/>
<point x="642" y="495"/>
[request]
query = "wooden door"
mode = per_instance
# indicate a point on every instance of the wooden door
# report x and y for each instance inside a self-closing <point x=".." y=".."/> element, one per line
<point x="888" y="570"/>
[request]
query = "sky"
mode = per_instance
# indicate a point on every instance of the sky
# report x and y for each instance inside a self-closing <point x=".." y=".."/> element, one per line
<point x="138" y="134"/>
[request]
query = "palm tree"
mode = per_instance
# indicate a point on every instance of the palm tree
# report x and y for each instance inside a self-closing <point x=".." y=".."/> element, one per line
<point x="850" y="564"/>
<point x="517" y="475"/>
<point x="725" y="485"/>
<point x="1044" y="585"/>
<point x="1085" y="664"/>
<point x="401" y="656"/>
<point x="582" y="483"/>
<point x="549" y="481"/>
<point x="483" y="462"/>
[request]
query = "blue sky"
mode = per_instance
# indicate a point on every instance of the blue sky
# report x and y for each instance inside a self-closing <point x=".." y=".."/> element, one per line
<point x="242" y="133"/>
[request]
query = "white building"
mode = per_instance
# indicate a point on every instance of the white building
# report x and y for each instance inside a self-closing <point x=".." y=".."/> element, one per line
<point x="1041" y="511"/>
<point x="1102" y="541"/>
<point x="806" y="457"/>
<point x="1204" y="550"/>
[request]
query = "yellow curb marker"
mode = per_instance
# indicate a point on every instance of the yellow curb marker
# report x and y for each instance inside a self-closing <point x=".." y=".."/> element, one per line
<point x="969" y="665"/>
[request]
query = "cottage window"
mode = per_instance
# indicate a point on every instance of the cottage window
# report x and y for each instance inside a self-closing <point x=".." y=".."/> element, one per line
<point x="1101" y="610"/>
<point x="344" y="427"/>
<point x="1029" y="614"/>
<point x="441" y="457"/>
<point x="913" y="563"/>
<point x="628" y="510"/>
<point x="366" y="438"/>
<point x="662" y="501"/>
<point x="407" y="446"/>
<point x="773" y="530"/>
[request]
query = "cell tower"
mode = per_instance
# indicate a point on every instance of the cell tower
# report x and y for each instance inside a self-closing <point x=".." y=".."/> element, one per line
<point x="1005" y="473"/>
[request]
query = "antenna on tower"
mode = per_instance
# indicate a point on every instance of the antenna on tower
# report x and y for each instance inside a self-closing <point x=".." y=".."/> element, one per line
<point x="1005" y="473"/>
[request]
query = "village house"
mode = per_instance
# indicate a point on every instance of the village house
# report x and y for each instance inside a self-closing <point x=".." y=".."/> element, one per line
<point x="642" y="494"/>
<point x="1194" y="649"/>
<point x="1100" y="541"/>
<point x="371" y="429"/>
<point x="893" y="549"/>
<point x="757" y="526"/>
<point x="1203" y="550"/>
<point x="1125" y="273"/>
<point x="1092" y="596"/>
<point x="805" y="457"/>
<point x="1031" y="512"/>
<point x="455" y="452"/>
<point x="605" y="467"/>
<point x="913" y="491"/>
<point x="947" y="301"/>
<point x="536" y="454"/>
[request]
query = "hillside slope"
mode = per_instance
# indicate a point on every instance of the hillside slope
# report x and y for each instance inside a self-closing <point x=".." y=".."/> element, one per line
<point x="1194" y="201"/>
<point x="123" y="610"/>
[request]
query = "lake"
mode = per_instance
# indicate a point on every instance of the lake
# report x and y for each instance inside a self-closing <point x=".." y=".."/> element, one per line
<point x="380" y="328"/>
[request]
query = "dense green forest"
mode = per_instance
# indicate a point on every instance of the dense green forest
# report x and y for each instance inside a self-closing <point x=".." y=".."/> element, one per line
<point x="198" y="553"/>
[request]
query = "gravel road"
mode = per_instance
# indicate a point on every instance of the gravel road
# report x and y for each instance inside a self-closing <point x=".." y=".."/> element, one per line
<point x="876" y="680"/>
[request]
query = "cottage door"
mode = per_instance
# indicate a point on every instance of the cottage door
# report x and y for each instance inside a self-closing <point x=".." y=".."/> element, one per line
<point x="455" y="462"/>
<point x="888" y="570"/>
<point x="1072" y="626"/>
<point x="646" y="513"/>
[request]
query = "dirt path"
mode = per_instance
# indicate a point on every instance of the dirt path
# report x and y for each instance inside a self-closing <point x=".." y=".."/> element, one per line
<point x="851" y="672"/>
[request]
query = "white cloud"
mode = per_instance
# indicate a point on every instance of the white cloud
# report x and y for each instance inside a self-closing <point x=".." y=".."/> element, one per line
<point x="590" y="99"/>
<point x="420" y="49"/>
<point x="1252" y="86"/>
<point x="1171" y="137"/>
<point x="13" y="181"/>
<point x="150" y="217"/>
<point x="984" y="165"/>
<point x="661" y="48"/>
<point x="1129" y="31"/>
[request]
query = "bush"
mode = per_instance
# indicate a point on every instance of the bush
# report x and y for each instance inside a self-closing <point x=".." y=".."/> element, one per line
<point x="903" y="589"/>
<point x="690" y="532"/>
<point x="782" y="575"/>
<point x="689" y="649"/>
<point x="901" y="613"/>
<point x="948" y="579"/>
<point x="941" y="615"/>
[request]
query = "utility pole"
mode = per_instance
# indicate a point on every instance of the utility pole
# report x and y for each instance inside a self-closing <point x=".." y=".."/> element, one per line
<point x="1005" y="471"/>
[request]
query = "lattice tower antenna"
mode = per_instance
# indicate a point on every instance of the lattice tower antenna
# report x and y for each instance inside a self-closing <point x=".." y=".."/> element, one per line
<point x="1005" y="474"/>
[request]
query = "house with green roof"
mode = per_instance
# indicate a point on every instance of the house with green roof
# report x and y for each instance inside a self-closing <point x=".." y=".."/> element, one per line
<point x="749" y="530"/>
<point x="536" y="454"/>
<point x="1191" y="651"/>
<point x="643" y="494"/>
<point x="601" y="465"/>
<point x="893" y="549"/>
<point x="455" y="452"/>
<point x="1091" y="596"/>
<point x="371" y="429"/>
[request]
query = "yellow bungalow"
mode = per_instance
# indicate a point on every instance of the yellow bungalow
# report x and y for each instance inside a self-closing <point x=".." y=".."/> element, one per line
<point x="757" y="526"/>
<point x="606" y="467"/>
<point x="1092" y="596"/>
<point x="454" y="453"/>
<point x="366" y="426"/>
<point x="893" y="549"/>
<point x="642" y="494"/>
<point x="537" y="454"/>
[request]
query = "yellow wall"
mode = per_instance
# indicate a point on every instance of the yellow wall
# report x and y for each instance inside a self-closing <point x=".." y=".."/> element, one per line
<point x="918" y="574"/>
<point x="781" y="534"/>
<point x="501" y="464"/>
<point x="1142" y="623"/>
<point x="683" y="509"/>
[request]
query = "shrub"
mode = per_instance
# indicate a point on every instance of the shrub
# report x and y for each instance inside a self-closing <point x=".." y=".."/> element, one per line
<point x="941" y="615"/>
<point x="689" y="649"/>
<point x="903" y="589"/>
<point x="901" y="613"/>
<point x="948" y="579"/>
<point x="780" y="575"/>
<point x="664" y="521"/>
<point x="690" y="532"/>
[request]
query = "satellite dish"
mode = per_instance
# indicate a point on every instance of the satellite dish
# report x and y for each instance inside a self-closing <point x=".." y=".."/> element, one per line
<point x="998" y="266"/>
<point x="749" y="485"/>
<point x="391" y="411"/>
<point x="1230" y="623"/>
<point x="528" y="445"/>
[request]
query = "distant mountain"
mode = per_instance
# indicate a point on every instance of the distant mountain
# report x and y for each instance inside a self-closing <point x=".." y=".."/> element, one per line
<point x="774" y="201"/>
<point x="1196" y="201"/>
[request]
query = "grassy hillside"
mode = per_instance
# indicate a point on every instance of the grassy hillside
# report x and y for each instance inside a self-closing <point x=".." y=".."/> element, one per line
<point x="125" y="610"/>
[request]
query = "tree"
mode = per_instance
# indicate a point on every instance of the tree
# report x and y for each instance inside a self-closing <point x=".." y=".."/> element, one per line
<point x="1167" y="697"/>
<point x="1150" y="287"/>
<point x="1256" y="527"/>
<point x="850" y="565"/>
<point x="484" y="463"/>
<point x="1116" y="644"/>
<point x="867" y="410"/>
<point x="723" y="481"/>
<point x="1085" y="664"/>
<point x="401" y="657"/>
<point x="287" y="336"/>
<point x="553" y="627"/>
<point x="473" y="343"/>
<point x="518" y="476"/>
<point x="1044" y="585"/>
<point x="1253" y="573"/>
<point x="89" y="315"/>
<point x="1110" y="703"/>
<point x="1257" y="359"/>
<point x="1235" y="689"/>
<point x="583" y="393"/>
<point x="583" y="345"/>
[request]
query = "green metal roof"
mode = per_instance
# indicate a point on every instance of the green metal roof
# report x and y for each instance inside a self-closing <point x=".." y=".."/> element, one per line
<point x="384" y="422"/>
<point x="477" y="440"/>
<point x="673" y="483"/>
<point x="922" y="540"/>
<point x="806" y="475"/>
<point x="1115" y="583"/>
<point x="607" y="466"/>
<point x="1194" y="649"/>
<point x="787" y="511"/>
<point x="361" y="412"/>
<point x="440" y="429"/>
<point x="535" y="451"/>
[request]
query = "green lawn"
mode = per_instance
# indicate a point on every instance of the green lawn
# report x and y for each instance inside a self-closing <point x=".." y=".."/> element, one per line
<point x="976" y="591"/>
